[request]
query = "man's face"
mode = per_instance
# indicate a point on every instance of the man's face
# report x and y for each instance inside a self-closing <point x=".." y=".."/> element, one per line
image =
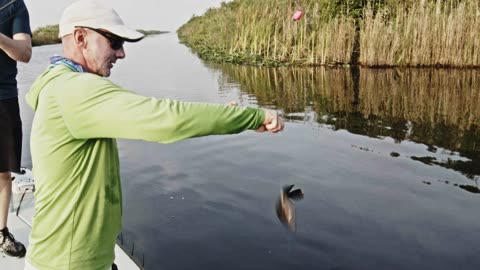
<point x="103" y="51"/>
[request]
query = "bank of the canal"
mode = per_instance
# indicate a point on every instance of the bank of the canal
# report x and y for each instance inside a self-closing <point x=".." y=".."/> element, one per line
<point x="376" y="33"/>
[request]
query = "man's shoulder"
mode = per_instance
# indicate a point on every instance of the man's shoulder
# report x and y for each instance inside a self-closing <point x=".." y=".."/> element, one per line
<point x="68" y="74"/>
<point x="61" y="80"/>
<point x="66" y="80"/>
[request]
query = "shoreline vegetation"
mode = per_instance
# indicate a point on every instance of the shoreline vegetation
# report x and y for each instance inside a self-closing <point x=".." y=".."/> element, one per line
<point x="371" y="33"/>
<point x="49" y="35"/>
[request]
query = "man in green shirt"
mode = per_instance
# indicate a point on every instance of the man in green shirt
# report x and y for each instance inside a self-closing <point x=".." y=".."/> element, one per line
<point x="78" y="115"/>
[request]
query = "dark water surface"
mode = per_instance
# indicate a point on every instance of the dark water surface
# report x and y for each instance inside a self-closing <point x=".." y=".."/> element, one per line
<point x="389" y="161"/>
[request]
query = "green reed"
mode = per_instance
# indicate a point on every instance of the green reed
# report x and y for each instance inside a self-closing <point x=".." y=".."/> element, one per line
<point x="263" y="33"/>
<point x="427" y="33"/>
<point x="388" y="33"/>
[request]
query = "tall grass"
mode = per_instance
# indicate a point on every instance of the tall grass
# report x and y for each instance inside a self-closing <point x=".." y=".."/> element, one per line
<point x="263" y="33"/>
<point x="437" y="33"/>
<point x="386" y="32"/>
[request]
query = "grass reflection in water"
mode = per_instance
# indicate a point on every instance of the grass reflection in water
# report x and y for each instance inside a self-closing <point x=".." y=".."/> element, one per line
<point x="435" y="107"/>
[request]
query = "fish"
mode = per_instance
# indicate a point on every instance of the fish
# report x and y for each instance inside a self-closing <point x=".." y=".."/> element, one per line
<point x="285" y="208"/>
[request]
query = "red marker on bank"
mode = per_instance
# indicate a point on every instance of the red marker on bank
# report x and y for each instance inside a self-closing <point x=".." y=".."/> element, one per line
<point x="297" y="15"/>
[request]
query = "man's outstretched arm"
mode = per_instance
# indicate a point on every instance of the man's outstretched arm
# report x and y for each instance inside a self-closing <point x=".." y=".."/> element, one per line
<point x="101" y="109"/>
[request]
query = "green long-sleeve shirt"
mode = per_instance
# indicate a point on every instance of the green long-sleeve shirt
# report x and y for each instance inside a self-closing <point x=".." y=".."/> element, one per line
<point x="75" y="158"/>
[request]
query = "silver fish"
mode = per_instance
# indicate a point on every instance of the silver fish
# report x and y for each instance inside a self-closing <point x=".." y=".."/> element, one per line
<point x="284" y="206"/>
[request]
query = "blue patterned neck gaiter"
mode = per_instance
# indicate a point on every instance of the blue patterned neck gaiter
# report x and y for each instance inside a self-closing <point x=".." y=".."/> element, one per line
<point x="59" y="60"/>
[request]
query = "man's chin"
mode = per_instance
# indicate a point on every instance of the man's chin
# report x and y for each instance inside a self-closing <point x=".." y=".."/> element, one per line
<point x="106" y="73"/>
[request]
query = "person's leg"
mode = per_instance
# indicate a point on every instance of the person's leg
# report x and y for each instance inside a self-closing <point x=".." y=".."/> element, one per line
<point x="10" y="156"/>
<point x="8" y="244"/>
<point x="5" y="195"/>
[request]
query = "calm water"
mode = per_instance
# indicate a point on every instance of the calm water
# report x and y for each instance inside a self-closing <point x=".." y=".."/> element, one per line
<point x="389" y="161"/>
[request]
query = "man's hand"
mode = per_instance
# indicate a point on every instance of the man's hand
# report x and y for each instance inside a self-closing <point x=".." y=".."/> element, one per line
<point x="273" y="122"/>
<point x="232" y="103"/>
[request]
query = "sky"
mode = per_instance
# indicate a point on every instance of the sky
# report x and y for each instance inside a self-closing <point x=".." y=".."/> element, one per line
<point x="139" y="14"/>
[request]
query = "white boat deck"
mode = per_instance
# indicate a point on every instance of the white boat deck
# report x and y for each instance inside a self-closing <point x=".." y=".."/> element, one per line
<point x="20" y="227"/>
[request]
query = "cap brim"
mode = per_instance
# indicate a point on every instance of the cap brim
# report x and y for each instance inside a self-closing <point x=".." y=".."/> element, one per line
<point x="122" y="31"/>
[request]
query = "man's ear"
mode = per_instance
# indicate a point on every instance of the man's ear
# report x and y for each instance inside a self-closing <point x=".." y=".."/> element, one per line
<point x="80" y="37"/>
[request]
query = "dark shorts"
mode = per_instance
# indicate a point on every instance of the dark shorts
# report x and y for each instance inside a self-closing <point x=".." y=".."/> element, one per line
<point x="10" y="136"/>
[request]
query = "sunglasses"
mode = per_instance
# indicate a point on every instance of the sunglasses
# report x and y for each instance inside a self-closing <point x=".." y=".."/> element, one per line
<point x="116" y="42"/>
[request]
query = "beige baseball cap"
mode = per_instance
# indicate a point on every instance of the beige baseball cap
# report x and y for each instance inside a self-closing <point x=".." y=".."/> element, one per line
<point x="90" y="13"/>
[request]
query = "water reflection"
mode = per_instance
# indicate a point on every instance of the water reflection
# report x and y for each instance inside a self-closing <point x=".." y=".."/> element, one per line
<point x="437" y="108"/>
<point x="363" y="210"/>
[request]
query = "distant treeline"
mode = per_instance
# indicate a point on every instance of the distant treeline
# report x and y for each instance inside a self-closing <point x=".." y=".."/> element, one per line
<point x="45" y="35"/>
<point x="49" y="35"/>
<point x="377" y="33"/>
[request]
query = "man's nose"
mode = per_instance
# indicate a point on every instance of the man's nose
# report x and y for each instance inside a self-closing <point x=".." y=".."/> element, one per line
<point x="120" y="53"/>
